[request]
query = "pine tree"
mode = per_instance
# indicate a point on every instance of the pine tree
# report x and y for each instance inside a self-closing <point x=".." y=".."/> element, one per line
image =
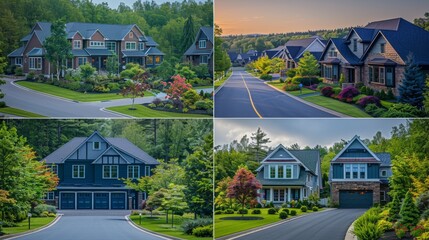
<point x="409" y="214"/>
<point x="395" y="208"/>
<point x="308" y="65"/>
<point x="413" y="84"/>
<point x="188" y="34"/>
<point x="258" y="145"/>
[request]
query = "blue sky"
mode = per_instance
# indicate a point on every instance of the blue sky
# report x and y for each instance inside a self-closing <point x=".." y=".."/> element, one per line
<point x="115" y="3"/>
<point x="305" y="132"/>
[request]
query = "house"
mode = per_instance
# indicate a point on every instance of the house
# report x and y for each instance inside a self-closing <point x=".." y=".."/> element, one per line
<point x="273" y="53"/>
<point x="238" y="59"/>
<point x="91" y="42"/>
<point x="288" y="175"/>
<point x="359" y="177"/>
<point x="295" y="49"/>
<point x="375" y="55"/>
<point x="90" y="170"/>
<point x="201" y="51"/>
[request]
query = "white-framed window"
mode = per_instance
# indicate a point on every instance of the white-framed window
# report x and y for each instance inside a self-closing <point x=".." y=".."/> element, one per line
<point x="202" y="43"/>
<point x="130" y="45"/>
<point x="383" y="173"/>
<point x="280" y="171"/>
<point x="327" y="71"/>
<point x="354" y="45"/>
<point x="204" y="59"/>
<point x="304" y="192"/>
<point x="96" y="44"/>
<point x="382" y="196"/>
<point x="77" y="44"/>
<point x="332" y="52"/>
<point x="49" y="196"/>
<point x="147" y="170"/>
<point x="382" y="47"/>
<point x="78" y="171"/>
<point x="288" y="171"/>
<point x="377" y="74"/>
<point x="110" y="171"/>
<point x="355" y="171"/>
<point x="81" y="60"/>
<point x="36" y="63"/>
<point x="18" y="61"/>
<point x="53" y="168"/>
<point x="141" y="45"/>
<point x="272" y="171"/>
<point x="133" y="171"/>
<point x="111" y="46"/>
<point x="278" y="195"/>
<point x="96" y="145"/>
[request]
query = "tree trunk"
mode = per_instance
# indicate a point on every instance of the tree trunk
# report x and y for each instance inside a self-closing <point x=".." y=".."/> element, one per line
<point x="172" y="218"/>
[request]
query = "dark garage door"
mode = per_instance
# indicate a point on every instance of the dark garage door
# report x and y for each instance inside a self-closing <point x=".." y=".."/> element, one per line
<point x="84" y="201"/>
<point x="67" y="201"/>
<point x="101" y="200"/>
<point x="118" y="200"/>
<point x="355" y="199"/>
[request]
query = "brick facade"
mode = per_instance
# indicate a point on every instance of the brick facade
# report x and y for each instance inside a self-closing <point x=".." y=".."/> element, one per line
<point x="336" y="187"/>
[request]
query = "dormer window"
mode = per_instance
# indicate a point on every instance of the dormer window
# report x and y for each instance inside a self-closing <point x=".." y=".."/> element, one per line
<point x="383" y="173"/>
<point x="280" y="171"/>
<point x="96" y="145"/>
<point x="202" y="44"/>
<point x="332" y="52"/>
<point x="77" y="44"/>
<point x="382" y="47"/>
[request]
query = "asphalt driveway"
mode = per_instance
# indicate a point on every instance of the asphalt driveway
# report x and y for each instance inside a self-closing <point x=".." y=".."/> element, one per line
<point x="326" y="225"/>
<point x="92" y="225"/>
<point x="246" y="96"/>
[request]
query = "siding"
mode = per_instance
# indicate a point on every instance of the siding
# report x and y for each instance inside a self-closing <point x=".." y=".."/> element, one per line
<point x="338" y="171"/>
<point x="373" y="171"/>
<point x="360" y="46"/>
<point x="281" y="154"/>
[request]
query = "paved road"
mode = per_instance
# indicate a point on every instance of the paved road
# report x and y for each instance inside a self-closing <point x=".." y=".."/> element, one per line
<point x="233" y="100"/>
<point x="328" y="225"/>
<point x="92" y="225"/>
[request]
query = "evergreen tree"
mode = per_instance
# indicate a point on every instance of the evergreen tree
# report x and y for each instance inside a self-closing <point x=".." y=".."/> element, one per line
<point x="426" y="101"/>
<point x="259" y="144"/>
<point x="188" y="36"/>
<point x="308" y="65"/>
<point x="409" y="214"/>
<point x="413" y="84"/>
<point x="222" y="61"/>
<point x="395" y="207"/>
<point x="112" y="64"/>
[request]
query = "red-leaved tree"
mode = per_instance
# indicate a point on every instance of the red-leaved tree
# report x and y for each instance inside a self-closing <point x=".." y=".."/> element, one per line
<point x="177" y="87"/>
<point x="136" y="87"/>
<point x="243" y="187"/>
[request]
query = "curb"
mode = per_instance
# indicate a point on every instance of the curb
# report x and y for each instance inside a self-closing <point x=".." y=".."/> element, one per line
<point x="13" y="236"/>
<point x="116" y="113"/>
<point x="42" y="93"/>
<point x="349" y="234"/>
<point x="140" y="228"/>
<point x="221" y="86"/>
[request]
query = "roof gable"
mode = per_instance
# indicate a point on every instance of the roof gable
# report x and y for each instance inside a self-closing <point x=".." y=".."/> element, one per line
<point x="355" y="146"/>
<point x="109" y="153"/>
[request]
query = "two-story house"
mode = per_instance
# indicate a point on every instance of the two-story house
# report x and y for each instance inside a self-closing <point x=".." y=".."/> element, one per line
<point x="376" y="54"/>
<point x="295" y="49"/>
<point x="91" y="43"/>
<point x="288" y="175"/>
<point x="358" y="176"/>
<point x="201" y="51"/>
<point x="91" y="169"/>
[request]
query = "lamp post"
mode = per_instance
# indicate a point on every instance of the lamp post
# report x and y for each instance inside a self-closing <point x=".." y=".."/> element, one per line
<point x="140" y="222"/>
<point x="29" y="217"/>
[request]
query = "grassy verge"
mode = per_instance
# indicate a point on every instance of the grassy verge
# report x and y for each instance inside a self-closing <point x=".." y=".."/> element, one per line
<point x="142" y="111"/>
<point x="227" y="227"/>
<point x="23" y="226"/>
<point x="279" y="85"/>
<point x="202" y="87"/>
<point x="159" y="225"/>
<point x="19" y="112"/>
<point x="219" y="82"/>
<point x="341" y="107"/>
<point x="72" y="95"/>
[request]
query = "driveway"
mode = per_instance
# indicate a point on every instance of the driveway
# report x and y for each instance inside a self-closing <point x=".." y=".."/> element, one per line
<point x="326" y="225"/>
<point x="246" y="96"/>
<point x="92" y="225"/>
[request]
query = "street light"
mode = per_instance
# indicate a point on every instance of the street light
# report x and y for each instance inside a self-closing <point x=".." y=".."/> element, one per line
<point x="29" y="217"/>
<point x="140" y="222"/>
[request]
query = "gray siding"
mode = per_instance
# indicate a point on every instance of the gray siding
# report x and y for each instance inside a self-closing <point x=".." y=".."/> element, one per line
<point x="338" y="171"/>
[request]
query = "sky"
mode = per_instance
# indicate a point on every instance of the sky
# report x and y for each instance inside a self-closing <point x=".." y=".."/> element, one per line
<point x="305" y="132"/>
<point x="281" y="16"/>
<point x="115" y="3"/>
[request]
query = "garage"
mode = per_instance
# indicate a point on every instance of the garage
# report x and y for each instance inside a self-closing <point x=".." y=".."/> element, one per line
<point x="67" y="201"/>
<point x="84" y="201"/>
<point x="118" y="200"/>
<point x="101" y="200"/>
<point x="355" y="199"/>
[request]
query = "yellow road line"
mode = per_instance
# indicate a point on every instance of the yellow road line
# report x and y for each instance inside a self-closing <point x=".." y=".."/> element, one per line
<point x="250" y="97"/>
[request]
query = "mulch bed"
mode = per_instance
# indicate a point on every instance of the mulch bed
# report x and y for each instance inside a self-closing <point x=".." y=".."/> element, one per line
<point x="176" y="110"/>
<point x="390" y="235"/>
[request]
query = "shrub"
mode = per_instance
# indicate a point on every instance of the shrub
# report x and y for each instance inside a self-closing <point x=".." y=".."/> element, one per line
<point x="283" y="215"/>
<point x="336" y="90"/>
<point x="304" y="209"/>
<point x="189" y="225"/>
<point x="390" y="94"/>
<point x="9" y="224"/>
<point x="417" y="231"/>
<point x="266" y="77"/>
<point x="285" y="205"/>
<point x="365" y="227"/>
<point x="348" y="92"/>
<point x="425" y="215"/>
<point x="30" y="76"/>
<point x="2" y="104"/>
<point x="327" y="91"/>
<point x="409" y="214"/>
<point x="203" y="105"/>
<point x="402" y="110"/>
<point x="39" y="209"/>
<point x="157" y="101"/>
<point x="363" y="102"/>
<point x="400" y="232"/>
<point x="293" y="212"/>
<point x="217" y="212"/>
<point x="205" y="231"/>
<point x="152" y="105"/>
<point x="101" y="89"/>
<point x="285" y="210"/>
<point x="291" y="73"/>
<point x="384" y="225"/>
<point x="258" y="205"/>
<point x="271" y="204"/>
<point x="375" y="111"/>
<point x="52" y="215"/>
<point x="306" y="81"/>
<point x="113" y="86"/>
<point x="190" y="97"/>
<point x="422" y="202"/>
<point x="185" y="110"/>
<point x="256" y="211"/>
<point x="315" y="209"/>
<point x="290" y="87"/>
<point x="272" y="211"/>
<point x="229" y="211"/>
<point x="242" y="211"/>
<point x="19" y="71"/>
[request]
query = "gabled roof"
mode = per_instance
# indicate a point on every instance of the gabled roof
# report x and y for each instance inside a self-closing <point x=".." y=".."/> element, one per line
<point x="99" y="159"/>
<point x="110" y="31"/>
<point x="151" y="42"/>
<point x="343" y="49"/>
<point x="192" y="50"/>
<point x="17" y="52"/>
<point x="385" y="159"/>
<point x="208" y="31"/>
<point x="365" y="34"/>
<point x="296" y="48"/>
<point x="153" y="51"/>
<point x="356" y="140"/>
<point x="232" y="56"/>
<point x="281" y="182"/>
<point x="387" y="24"/>
<point x="36" y="52"/>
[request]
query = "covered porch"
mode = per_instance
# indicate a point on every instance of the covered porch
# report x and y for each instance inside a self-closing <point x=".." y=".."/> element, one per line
<point x="282" y="194"/>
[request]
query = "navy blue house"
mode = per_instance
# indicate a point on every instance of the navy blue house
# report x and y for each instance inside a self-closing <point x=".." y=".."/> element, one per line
<point x="90" y="170"/>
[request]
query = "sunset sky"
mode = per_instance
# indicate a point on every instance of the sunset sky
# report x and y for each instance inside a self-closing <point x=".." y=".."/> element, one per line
<point x="281" y="16"/>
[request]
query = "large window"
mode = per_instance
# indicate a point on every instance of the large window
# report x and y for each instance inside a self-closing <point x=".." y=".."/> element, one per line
<point x="273" y="171"/>
<point x="18" y="61"/>
<point x="81" y="60"/>
<point x="278" y="195"/>
<point x="54" y="169"/>
<point x="157" y="59"/>
<point x="147" y="170"/>
<point x="77" y="44"/>
<point x="382" y="47"/>
<point x="96" y="44"/>
<point x="111" y="46"/>
<point x="355" y="171"/>
<point x="280" y="171"/>
<point x="377" y="74"/>
<point x="202" y="44"/>
<point x="96" y="145"/>
<point x="204" y="59"/>
<point x="130" y="45"/>
<point x="141" y="46"/>
<point x="78" y="171"/>
<point x="36" y="63"/>
<point x="327" y="71"/>
<point x="134" y="171"/>
<point x="149" y="60"/>
<point x="110" y="171"/>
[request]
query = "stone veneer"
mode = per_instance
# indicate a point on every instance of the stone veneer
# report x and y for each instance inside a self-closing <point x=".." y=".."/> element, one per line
<point x="337" y="186"/>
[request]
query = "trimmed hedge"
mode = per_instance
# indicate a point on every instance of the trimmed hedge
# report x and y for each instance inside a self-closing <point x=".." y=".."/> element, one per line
<point x="327" y="91"/>
<point x="272" y="211"/>
<point x="229" y="211"/>
<point x="205" y="231"/>
<point x="283" y="215"/>
<point x="189" y="225"/>
<point x="242" y="211"/>
<point x="266" y="77"/>
<point x="363" y="102"/>
<point x="306" y="81"/>
<point x="348" y="93"/>
<point x="303" y="209"/>
<point x="256" y="211"/>
<point x="293" y="212"/>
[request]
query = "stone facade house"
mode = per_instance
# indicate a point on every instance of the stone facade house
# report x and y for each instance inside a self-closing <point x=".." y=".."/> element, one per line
<point x="359" y="177"/>
<point x="295" y="49"/>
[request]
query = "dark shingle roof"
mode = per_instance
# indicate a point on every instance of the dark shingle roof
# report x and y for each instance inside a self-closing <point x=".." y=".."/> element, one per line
<point x="151" y="42"/>
<point x="98" y="51"/>
<point x="233" y="56"/>
<point x="208" y="31"/>
<point x="384" y="158"/>
<point x="192" y="50"/>
<point x="365" y="34"/>
<point x="17" y="52"/>
<point x="133" y="53"/>
<point x="388" y="24"/>
<point x="309" y="158"/>
<point x="344" y="50"/>
<point x="126" y="146"/>
<point x="79" y="53"/>
<point x="110" y="31"/>
<point x="154" y="51"/>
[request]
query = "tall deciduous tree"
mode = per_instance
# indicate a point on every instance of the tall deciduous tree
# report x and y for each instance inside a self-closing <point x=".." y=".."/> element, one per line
<point x="413" y="84"/>
<point x="308" y="65"/>
<point x="58" y="48"/>
<point x="243" y="187"/>
<point x="174" y="200"/>
<point x="188" y="36"/>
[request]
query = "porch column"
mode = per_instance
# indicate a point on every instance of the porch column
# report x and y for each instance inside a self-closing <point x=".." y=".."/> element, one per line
<point x="301" y="191"/>
<point x="99" y="64"/>
<point x="288" y="194"/>
<point x="92" y="200"/>
<point x="285" y="195"/>
<point x="271" y="195"/>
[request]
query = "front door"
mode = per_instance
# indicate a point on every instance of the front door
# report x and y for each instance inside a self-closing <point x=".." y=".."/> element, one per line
<point x="351" y="77"/>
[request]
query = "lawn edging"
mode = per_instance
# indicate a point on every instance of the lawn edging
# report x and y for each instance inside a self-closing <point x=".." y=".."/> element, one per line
<point x="117" y="113"/>
<point x="140" y="228"/>
<point x="260" y="228"/>
<point x="349" y="234"/>
<point x="39" y="92"/>
<point x="221" y="86"/>
<point x="16" y="235"/>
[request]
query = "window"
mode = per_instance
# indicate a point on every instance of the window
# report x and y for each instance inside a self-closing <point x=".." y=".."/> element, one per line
<point x="36" y="63"/>
<point x="389" y="77"/>
<point x="377" y="74"/>
<point x="111" y="46"/>
<point x="288" y="171"/>
<point x="308" y="178"/>
<point x="273" y="171"/>
<point x="354" y="45"/>
<point x="147" y="170"/>
<point x="327" y="71"/>
<point x="347" y="169"/>
<point x="355" y="171"/>
<point x="96" y="146"/>
<point x="149" y="60"/>
<point x="110" y="171"/>
<point x="81" y="60"/>
<point x="54" y="169"/>
<point x="332" y="52"/>
<point x="355" y="168"/>
<point x="280" y="172"/>
<point x="96" y="44"/>
<point x="278" y="195"/>
<point x="362" y="171"/>
<point x="304" y="192"/>
<point x="204" y="59"/>
<point x="134" y="171"/>
<point x="382" y="47"/>
<point x="157" y="59"/>
<point x="202" y="44"/>
<point x="130" y="45"/>
<point x="383" y="173"/>
<point x="18" y="61"/>
<point x="382" y="196"/>
<point x="49" y="196"/>
<point x="77" y="44"/>
<point x="141" y="46"/>
<point x="131" y="35"/>
<point x="78" y="171"/>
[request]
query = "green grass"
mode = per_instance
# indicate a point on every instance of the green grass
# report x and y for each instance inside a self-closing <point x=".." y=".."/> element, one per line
<point x="158" y="225"/>
<point x="72" y="95"/>
<point x="341" y="107"/>
<point x="202" y="87"/>
<point x="386" y="104"/>
<point x="23" y="226"/>
<point x="145" y="112"/>
<point x="227" y="227"/>
<point x="19" y="112"/>
<point x="304" y="91"/>
<point x="219" y="82"/>
<point x="277" y="84"/>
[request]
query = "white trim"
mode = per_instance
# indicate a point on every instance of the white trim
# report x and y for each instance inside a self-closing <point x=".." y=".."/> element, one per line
<point x="78" y="171"/>
<point x="131" y="42"/>
<point x="16" y="58"/>
<point x="99" y="146"/>
<point x="350" y="143"/>
<point x="147" y="173"/>
<point x="381" y="173"/>
<point x="384" y="195"/>
<point x="110" y="171"/>
<point x="359" y="165"/>
<point x="202" y="44"/>
<point x="316" y="39"/>
<point x="83" y="62"/>
<point x="77" y="41"/>
<point x="35" y="63"/>
<point x="138" y="171"/>
<point x="114" y="149"/>
<point x="47" y="196"/>
<point x="97" y="44"/>
<point x="287" y="151"/>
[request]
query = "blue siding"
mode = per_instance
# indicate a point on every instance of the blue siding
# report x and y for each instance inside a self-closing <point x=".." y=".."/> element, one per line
<point x="355" y="154"/>
<point x="373" y="171"/>
<point x="338" y="171"/>
<point x="281" y="153"/>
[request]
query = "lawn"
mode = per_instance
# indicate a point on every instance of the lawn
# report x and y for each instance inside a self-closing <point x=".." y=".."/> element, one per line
<point x="72" y="95"/>
<point x="23" y="226"/>
<point x="146" y="112"/>
<point x="158" y="225"/>
<point x="341" y="107"/>
<point x="302" y="92"/>
<point x="219" y="82"/>
<point x="227" y="227"/>
<point x="277" y="84"/>
<point x="202" y="87"/>
<point x="19" y="112"/>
